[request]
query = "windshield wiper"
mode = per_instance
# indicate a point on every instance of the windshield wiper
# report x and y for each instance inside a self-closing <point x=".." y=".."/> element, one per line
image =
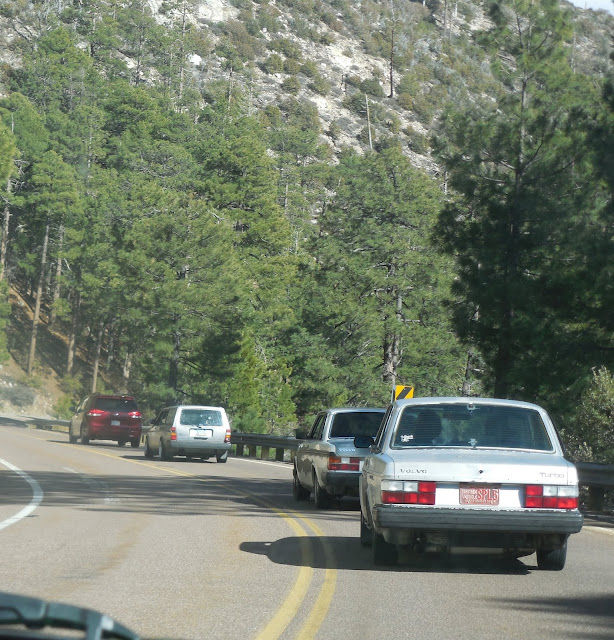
<point x="37" y="614"/>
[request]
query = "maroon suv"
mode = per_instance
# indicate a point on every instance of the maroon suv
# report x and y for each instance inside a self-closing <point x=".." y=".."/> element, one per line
<point x="107" y="417"/>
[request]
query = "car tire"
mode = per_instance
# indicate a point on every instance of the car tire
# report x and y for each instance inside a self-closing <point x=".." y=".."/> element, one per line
<point x="135" y="443"/>
<point x="320" y="495"/>
<point x="121" y="443"/>
<point x="552" y="559"/>
<point x="72" y="439"/>
<point x="161" y="451"/>
<point x="366" y="535"/>
<point x="298" y="490"/>
<point x="84" y="439"/>
<point x="148" y="450"/>
<point x="222" y="457"/>
<point x="383" y="552"/>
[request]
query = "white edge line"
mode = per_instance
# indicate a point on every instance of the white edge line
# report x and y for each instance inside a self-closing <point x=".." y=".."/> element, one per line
<point x="592" y="527"/>
<point x="37" y="496"/>
<point x="278" y="465"/>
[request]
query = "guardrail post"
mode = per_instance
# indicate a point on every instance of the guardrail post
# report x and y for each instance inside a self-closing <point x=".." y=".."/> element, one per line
<point x="595" y="498"/>
<point x="265" y="453"/>
<point x="279" y="455"/>
<point x="240" y="450"/>
<point x="251" y="448"/>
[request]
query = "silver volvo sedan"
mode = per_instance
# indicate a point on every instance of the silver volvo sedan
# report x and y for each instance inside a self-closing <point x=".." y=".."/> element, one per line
<point x="445" y="474"/>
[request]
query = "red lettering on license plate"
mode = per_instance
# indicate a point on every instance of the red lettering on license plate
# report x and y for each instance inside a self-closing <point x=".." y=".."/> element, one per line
<point x="472" y="494"/>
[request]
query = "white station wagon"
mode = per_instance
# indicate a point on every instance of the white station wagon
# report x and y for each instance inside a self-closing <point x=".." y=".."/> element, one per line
<point x="445" y="474"/>
<point x="193" y="431"/>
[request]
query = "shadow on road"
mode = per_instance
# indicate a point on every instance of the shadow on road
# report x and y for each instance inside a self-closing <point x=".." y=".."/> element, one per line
<point x="349" y="555"/>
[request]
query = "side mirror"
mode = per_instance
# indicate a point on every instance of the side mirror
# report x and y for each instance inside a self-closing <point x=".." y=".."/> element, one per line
<point x="300" y="434"/>
<point x="72" y="409"/>
<point x="363" y="442"/>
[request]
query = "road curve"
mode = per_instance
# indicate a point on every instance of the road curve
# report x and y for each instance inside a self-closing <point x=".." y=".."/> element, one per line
<point x="188" y="550"/>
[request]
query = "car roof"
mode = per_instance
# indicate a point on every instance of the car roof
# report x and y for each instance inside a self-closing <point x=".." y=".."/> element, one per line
<point x="354" y="410"/>
<point x="192" y="406"/>
<point x="467" y="400"/>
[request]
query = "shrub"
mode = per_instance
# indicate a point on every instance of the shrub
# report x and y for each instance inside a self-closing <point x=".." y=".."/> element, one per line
<point x="273" y="64"/>
<point x="405" y="101"/>
<point x="372" y="87"/>
<point x="291" y="85"/>
<point x="18" y="395"/>
<point x="320" y="85"/>
<point x="291" y="66"/>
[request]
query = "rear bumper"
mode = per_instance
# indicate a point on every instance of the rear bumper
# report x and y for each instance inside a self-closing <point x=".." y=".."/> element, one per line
<point x="514" y="521"/>
<point x="196" y="448"/>
<point x="341" y="482"/>
<point x="114" y="433"/>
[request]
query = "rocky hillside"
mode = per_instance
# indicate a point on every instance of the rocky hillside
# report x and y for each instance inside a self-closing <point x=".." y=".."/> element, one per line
<point x="335" y="56"/>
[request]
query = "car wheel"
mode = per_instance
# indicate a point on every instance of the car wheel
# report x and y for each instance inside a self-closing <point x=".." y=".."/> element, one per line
<point x="366" y="535"/>
<point x="135" y="443"/>
<point x="298" y="490"/>
<point x="161" y="451"/>
<point x="121" y="443"/>
<point x="222" y="457"/>
<point x="552" y="559"/>
<point x="383" y="552"/>
<point x="72" y="439"/>
<point x="84" y="439"/>
<point x="320" y="495"/>
<point x="148" y="450"/>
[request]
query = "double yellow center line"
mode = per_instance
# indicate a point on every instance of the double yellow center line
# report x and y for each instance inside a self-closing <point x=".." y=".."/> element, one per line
<point x="302" y="526"/>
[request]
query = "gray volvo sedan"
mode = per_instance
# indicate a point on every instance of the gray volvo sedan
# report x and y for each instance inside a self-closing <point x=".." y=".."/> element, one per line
<point x="449" y="474"/>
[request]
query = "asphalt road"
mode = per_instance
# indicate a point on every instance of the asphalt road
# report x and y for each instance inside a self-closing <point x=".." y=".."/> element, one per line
<point x="191" y="550"/>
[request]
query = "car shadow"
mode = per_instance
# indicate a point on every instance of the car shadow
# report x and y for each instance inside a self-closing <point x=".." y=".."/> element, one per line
<point x="348" y="554"/>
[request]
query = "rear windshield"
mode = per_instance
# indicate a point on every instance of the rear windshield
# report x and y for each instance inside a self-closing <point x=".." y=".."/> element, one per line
<point x="471" y="426"/>
<point x="208" y="417"/>
<point x="119" y="405"/>
<point x="350" y="425"/>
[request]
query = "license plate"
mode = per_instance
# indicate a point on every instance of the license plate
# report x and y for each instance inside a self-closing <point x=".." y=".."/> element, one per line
<point x="201" y="433"/>
<point x="475" y="494"/>
<point x="115" y="423"/>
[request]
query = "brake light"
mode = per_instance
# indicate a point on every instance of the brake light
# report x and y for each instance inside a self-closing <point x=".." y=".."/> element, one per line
<point x="335" y="463"/>
<point x="539" y="496"/>
<point x="94" y="413"/>
<point x="404" y="492"/>
<point x="134" y="414"/>
<point x="173" y="433"/>
<point x="227" y="436"/>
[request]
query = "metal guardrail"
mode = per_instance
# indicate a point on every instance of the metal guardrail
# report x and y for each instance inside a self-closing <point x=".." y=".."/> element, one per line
<point x="598" y="478"/>
<point x="253" y="441"/>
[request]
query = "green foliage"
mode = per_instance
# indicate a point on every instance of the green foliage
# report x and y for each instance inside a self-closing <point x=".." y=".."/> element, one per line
<point x="320" y="85"/>
<point x="291" y="85"/>
<point x="287" y="47"/>
<point x="372" y="87"/>
<point x="18" y="395"/>
<point x="592" y="440"/>
<point x="273" y="64"/>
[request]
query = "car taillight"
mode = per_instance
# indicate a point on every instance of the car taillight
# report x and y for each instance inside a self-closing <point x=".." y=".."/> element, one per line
<point x="335" y="463"/>
<point x="94" y="413"/>
<point x="408" y="492"/>
<point x="539" y="496"/>
<point x="173" y="433"/>
<point x="227" y="436"/>
<point x="134" y="414"/>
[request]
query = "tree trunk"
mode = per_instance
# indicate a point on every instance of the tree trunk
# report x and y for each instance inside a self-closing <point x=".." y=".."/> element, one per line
<point x="56" y="282"/>
<point x="5" y="233"/>
<point x="37" y="306"/>
<point x="126" y="371"/>
<point x="97" y="357"/>
<point x="173" y="373"/>
<point x="72" y="339"/>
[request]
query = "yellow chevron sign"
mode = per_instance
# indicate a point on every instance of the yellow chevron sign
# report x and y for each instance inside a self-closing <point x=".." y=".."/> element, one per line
<point x="401" y="392"/>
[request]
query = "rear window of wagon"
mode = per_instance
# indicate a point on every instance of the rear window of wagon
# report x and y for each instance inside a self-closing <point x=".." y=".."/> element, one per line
<point x="471" y="425"/>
